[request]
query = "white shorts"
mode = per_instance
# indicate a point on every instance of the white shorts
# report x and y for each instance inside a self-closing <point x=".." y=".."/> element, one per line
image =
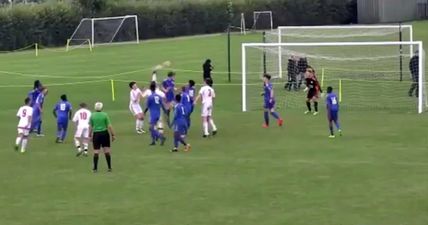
<point x="82" y="132"/>
<point x="135" y="109"/>
<point x="207" y="110"/>
<point x="23" y="131"/>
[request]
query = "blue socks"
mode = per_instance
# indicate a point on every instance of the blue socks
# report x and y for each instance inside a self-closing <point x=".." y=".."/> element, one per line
<point x="266" y="115"/>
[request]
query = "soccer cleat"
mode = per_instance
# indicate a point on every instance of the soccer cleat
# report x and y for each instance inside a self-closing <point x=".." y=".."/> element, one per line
<point x="280" y="122"/>
<point x="162" y="140"/>
<point x="40" y="135"/>
<point x="205" y="136"/>
<point x="22" y="151"/>
<point x="174" y="150"/>
<point x="110" y="170"/>
<point x="153" y="143"/>
<point x="214" y="132"/>
<point x="79" y="153"/>
<point x="85" y="153"/>
<point x="307" y="112"/>
<point x="340" y="132"/>
<point x="94" y="170"/>
<point x="57" y="140"/>
<point x="331" y="136"/>
<point x="315" y="113"/>
<point x="187" y="148"/>
<point x="265" y="126"/>
<point x="16" y="147"/>
<point x="139" y="131"/>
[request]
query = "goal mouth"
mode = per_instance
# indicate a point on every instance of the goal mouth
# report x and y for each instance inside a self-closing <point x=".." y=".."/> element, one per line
<point x="106" y="30"/>
<point x="366" y="75"/>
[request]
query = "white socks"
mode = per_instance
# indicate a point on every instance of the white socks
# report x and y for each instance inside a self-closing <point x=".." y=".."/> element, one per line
<point x="77" y="143"/>
<point x="205" y="127"/>
<point x="24" y="144"/>
<point x="18" y="141"/>
<point x="213" y="126"/>
<point x="139" y="124"/>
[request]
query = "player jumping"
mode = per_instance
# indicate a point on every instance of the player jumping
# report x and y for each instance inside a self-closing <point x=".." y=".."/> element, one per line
<point x="81" y="119"/>
<point x="269" y="102"/>
<point x="207" y="94"/>
<point x="154" y="105"/>
<point x="134" y="106"/>
<point x="62" y="112"/>
<point x="332" y="111"/>
<point x="313" y="88"/>
<point x="180" y="124"/>
<point x="25" y="114"/>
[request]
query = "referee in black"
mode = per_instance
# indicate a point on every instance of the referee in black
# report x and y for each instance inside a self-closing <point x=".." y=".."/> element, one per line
<point x="100" y="130"/>
<point x="414" y="70"/>
<point x="207" y="68"/>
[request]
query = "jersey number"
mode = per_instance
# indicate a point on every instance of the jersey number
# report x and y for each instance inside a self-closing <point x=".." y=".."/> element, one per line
<point x="62" y="107"/>
<point x="333" y="101"/>
<point x="83" y="116"/>
<point x="157" y="100"/>
<point x="24" y="113"/>
<point x="182" y="110"/>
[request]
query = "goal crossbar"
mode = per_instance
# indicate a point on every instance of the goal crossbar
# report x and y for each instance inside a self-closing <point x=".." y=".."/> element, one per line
<point x="419" y="45"/>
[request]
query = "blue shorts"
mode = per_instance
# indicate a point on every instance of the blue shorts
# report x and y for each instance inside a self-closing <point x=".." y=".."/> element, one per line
<point x="62" y="124"/>
<point x="170" y="98"/>
<point x="181" y="127"/>
<point x="269" y="105"/>
<point x="333" y="115"/>
<point x="154" y="120"/>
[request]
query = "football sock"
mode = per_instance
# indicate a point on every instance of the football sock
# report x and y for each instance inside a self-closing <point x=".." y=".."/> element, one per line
<point x="24" y="144"/>
<point x="95" y="161"/>
<point x="108" y="159"/>
<point x="154" y="133"/>
<point x="18" y="141"/>
<point x="39" y="127"/>
<point x="63" y="134"/>
<point x="330" y="125"/>
<point x="275" y="115"/>
<point x="308" y="104"/>
<point x="85" y="146"/>
<point x="76" y="142"/>
<point x="266" y="116"/>
<point x="337" y="124"/>
<point x="137" y="124"/>
<point x="205" y="126"/>
<point x="141" y="124"/>
<point x="213" y="126"/>
<point x="316" y="106"/>
<point x="176" y="140"/>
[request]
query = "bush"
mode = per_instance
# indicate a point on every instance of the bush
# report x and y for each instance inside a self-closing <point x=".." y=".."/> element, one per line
<point x="52" y="23"/>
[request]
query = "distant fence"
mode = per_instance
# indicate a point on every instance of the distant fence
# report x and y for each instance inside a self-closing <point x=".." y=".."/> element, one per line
<point x="385" y="11"/>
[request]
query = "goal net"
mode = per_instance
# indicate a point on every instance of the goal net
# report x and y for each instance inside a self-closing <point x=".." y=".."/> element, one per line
<point x="108" y="30"/>
<point x="337" y="33"/>
<point x="366" y="75"/>
<point x="262" y="20"/>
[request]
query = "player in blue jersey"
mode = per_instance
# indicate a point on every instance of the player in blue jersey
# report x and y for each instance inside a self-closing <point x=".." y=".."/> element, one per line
<point x="269" y="102"/>
<point x="187" y="102"/>
<point x="34" y="93"/>
<point x="62" y="112"/>
<point x="180" y="124"/>
<point x="191" y="91"/>
<point x="154" y="105"/>
<point x="38" y="112"/>
<point x="332" y="111"/>
<point x="168" y="87"/>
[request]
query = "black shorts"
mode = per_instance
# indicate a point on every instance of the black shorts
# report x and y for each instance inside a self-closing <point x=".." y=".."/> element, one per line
<point x="101" y="140"/>
<point x="312" y="93"/>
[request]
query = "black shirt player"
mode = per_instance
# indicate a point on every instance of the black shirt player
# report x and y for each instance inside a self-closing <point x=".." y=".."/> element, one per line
<point x="207" y="67"/>
<point x="414" y="70"/>
<point x="314" y="89"/>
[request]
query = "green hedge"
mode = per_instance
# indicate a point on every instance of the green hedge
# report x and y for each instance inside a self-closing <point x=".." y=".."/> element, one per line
<point x="52" y="23"/>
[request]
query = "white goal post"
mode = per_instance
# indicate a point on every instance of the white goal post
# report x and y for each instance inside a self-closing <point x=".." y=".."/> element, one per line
<point x="106" y="30"/>
<point x="360" y="70"/>
<point x="262" y="16"/>
<point x="340" y="33"/>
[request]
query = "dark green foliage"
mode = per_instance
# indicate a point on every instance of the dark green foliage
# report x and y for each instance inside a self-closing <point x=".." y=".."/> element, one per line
<point x="52" y="23"/>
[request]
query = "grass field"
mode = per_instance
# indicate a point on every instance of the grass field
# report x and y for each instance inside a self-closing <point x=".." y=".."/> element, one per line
<point x="376" y="174"/>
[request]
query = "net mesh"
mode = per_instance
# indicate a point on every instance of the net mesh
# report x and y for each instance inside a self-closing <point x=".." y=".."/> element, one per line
<point x="108" y="30"/>
<point x="366" y="77"/>
<point x="262" y="20"/>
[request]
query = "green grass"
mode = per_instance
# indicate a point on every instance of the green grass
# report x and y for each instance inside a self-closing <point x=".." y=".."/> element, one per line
<point x="375" y="174"/>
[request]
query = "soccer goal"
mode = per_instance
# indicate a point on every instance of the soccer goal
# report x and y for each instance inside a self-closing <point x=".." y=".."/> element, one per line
<point x="108" y="30"/>
<point x="338" y="33"/>
<point x="262" y="20"/>
<point x="366" y="75"/>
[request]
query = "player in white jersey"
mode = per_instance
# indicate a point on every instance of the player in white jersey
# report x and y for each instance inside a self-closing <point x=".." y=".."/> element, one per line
<point x="25" y="115"/>
<point x="147" y="93"/>
<point x="134" y="105"/>
<point x="81" y="119"/>
<point x="207" y="95"/>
